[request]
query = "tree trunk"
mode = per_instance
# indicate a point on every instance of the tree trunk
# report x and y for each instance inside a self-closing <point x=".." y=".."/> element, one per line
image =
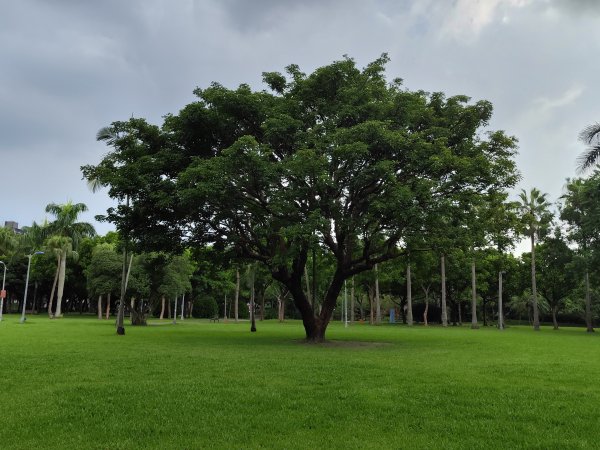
<point x="554" y="321"/>
<point x="536" y="313"/>
<point x="377" y="298"/>
<point x="51" y="301"/>
<point x="107" y="306"/>
<point x="409" y="314"/>
<point x="169" y="312"/>
<point x="252" y="318"/>
<point x="588" y="304"/>
<point x="174" y="311"/>
<point x="162" y="308"/>
<point x="183" y="306"/>
<point x="61" y="283"/>
<point x="100" y="307"/>
<point x="352" y="302"/>
<point x="474" y="324"/>
<point x="426" y="305"/>
<point x="459" y="313"/>
<point x="500" y="308"/>
<point x="237" y="295"/>
<point x="444" y="311"/>
<point x="307" y="281"/>
<point x="371" y="306"/>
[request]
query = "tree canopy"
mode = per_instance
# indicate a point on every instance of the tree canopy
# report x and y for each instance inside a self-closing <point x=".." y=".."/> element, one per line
<point x="339" y="158"/>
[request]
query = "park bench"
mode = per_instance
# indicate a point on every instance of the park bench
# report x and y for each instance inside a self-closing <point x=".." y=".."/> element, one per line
<point x="214" y="319"/>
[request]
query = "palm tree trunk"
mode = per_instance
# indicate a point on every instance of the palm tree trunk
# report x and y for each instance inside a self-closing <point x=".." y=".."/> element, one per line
<point x="252" y="318"/>
<point x="100" y="307"/>
<point x="61" y="283"/>
<point x="237" y="295"/>
<point x="536" y="313"/>
<point x="377" y="298"/>
<point x="474" y="324"/>
<point x="108" y="306"/>
<point x="409" y="314"/>
<point x="500" y="307"/>
<point x="588" y="304"/>
<point x="426" y="305"/>
<point x="51" y="301"/>
<point x="352" y="302"/>
<point x="444" y="311"/>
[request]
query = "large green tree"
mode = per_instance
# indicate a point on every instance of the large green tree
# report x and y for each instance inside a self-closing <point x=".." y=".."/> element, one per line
<point x="340" y="157"/>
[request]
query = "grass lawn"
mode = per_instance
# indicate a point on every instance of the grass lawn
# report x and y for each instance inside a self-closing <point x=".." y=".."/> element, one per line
<point x="72" y="383"/>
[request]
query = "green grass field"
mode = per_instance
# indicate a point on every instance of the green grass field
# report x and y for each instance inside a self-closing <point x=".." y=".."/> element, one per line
<point x="72" y="383"/>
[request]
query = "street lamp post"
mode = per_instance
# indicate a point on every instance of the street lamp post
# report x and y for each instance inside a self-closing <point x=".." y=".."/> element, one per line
<point x="27" y="284"/>
<point x="3" y="294"/>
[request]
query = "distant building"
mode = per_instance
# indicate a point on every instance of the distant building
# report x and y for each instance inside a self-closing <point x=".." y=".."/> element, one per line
<point x="13" y="226"/>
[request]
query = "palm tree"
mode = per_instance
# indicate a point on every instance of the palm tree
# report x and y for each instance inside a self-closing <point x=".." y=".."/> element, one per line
<point x="535" y="217"/>
<point x="66" y="225"/>
<point x="590" y="136"/>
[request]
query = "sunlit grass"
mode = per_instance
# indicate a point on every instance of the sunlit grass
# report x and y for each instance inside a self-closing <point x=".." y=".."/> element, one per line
<point x="72" y="383"/>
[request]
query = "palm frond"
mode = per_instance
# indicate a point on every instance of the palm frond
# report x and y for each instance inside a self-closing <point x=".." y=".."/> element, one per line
<point x="588" y="159"/>
<point x="590" y="133"/>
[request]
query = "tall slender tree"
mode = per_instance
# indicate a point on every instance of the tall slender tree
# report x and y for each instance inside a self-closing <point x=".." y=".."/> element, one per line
<point x="65" y="225"/>
<point x="536" y="218"/>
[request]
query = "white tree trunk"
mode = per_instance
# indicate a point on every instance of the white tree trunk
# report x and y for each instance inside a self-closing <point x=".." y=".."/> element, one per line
<point x="51" y="301"/>
<point x="108" y="306"/>
<point x="100" y="307"/>
<point x="162" y="308"/>
<point x="377" y="298"/>
<point x="352" y="305"/>
<point x="536" y="313"/>
<point x="409" y="314"/>
<point x="474" y="324"/>
<point x="237" y="295"/>
<point x="61" y="283"/>
<point x="444" y="310"/>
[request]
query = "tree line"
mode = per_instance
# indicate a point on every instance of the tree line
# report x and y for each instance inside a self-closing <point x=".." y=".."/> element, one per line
<point x="341" y="176"/>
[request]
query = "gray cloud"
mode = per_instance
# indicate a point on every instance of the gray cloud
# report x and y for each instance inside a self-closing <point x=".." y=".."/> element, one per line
<point x="71" y="67"/>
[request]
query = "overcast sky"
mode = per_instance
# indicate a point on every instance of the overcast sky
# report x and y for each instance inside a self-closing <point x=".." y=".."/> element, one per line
<point x="69" y="67"/>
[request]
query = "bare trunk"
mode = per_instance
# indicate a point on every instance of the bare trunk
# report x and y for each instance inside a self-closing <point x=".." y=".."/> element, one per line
<point x="536" y="313"/>
<point x="162" y="308"/>
<point x="474" y="324"/>
<point x="459" y="313"/>
<point x="252" y="318"/>
<point x="237" y="295"/>
<point x="554" y="321"/>
<point x="444" y="311"/>
<point x="174" y="311"/>
<point x="169" y="312"/>
<point x="183" y="304"/>
<point x="51" y="301"/>
<point x="61" y="283"/>
<point x="100" y="307"/>
<point x="107" y="306"/>
<point x="588" y="304"/>
<point x="500" y="309"/>
<point x="409" y="314"/>
<point x="352" y="305"/>
<point x="426" y="305"/>
<point x="377" y="298"/>
<point x="371" y="306"/>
